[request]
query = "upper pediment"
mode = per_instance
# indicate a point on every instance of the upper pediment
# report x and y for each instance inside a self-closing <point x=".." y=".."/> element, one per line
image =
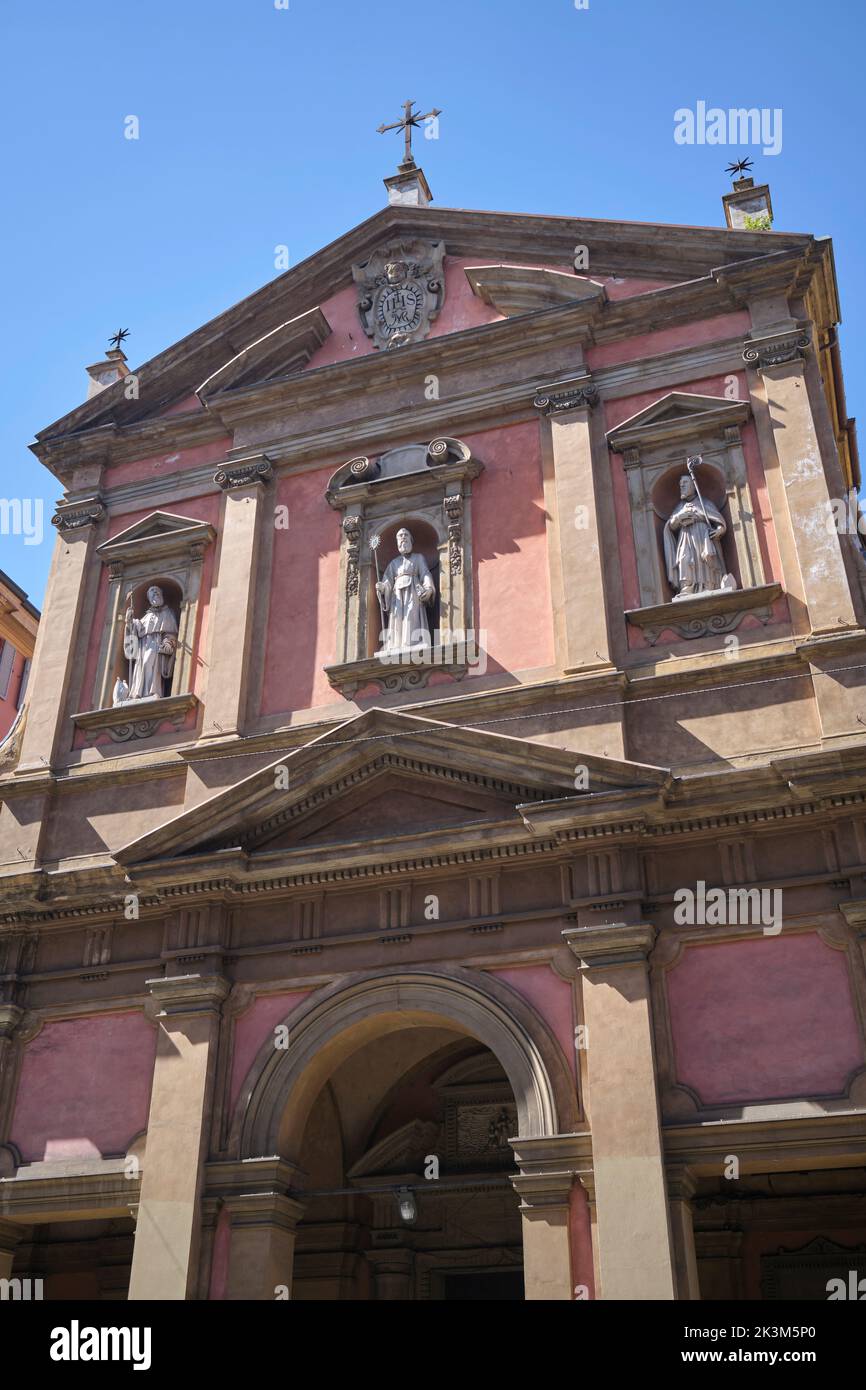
<point x="273" y="329"/>
<point x="388" y="775"/>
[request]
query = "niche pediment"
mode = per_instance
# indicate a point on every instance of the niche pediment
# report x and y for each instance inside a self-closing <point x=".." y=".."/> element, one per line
<point x="156" y="537"/>
<point x="679" y="415"/>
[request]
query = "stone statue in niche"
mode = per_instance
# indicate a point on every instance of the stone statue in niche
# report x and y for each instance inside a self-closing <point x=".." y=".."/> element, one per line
<point x="693" y="555"/>
<point x="149" y="645"/>
<point x="405" y="592"/>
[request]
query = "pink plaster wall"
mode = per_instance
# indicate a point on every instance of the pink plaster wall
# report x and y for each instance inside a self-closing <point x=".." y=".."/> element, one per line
<point x="509" y="549"/>
<point x="203" y="508"/>
<point x="667" y="339"/>
<point x="84" y="1088"/>
<point x="168" y="465"/>
<point x="302" y="620"/>
<point x="510" y="573"/>
<point x="251" y="1030"/>
<point x="763" y="1019"/>
<point x="551" y="997"/>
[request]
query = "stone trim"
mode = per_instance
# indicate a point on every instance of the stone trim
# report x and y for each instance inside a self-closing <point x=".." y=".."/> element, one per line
<point x="391" y="676"/>
<point x="705" y="614"/>
<point x="777" y="349"/>
<point x="179" y="995"/>
<point x="581" y="394"/>
<point x="244" y="473"/>
<point x="619" y="943"/>
<point x="549" y="1165"/>
<point x="75" y="515"/>
<point x="136" y="719"/>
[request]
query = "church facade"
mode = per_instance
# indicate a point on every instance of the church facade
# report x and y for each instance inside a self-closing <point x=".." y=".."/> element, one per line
<point x="433" y="856"/>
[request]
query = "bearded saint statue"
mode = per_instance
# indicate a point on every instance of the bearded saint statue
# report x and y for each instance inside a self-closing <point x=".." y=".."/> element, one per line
<point x="149" y="645"/>
<point x="693" y="556"/>
<point x="405" y="591"/>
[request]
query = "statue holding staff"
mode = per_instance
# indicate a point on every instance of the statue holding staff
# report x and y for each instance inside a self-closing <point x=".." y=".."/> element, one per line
<point x="149" y="645"/>
<point x="405" y="591"/>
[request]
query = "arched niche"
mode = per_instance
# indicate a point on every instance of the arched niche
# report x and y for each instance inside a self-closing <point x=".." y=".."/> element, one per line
<point x="429" y="488"/>
<point x="427" y="541"/>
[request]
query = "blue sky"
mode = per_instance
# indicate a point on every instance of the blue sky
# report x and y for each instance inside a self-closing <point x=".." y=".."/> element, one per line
<point x="258" y="128"/>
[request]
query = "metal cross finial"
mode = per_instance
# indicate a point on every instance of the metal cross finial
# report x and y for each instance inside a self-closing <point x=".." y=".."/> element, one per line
<point x="117" y="338"/>
<point x="411" y="119"/>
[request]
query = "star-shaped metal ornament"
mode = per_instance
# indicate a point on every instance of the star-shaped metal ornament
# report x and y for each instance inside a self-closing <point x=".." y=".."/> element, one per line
<point x="117" y="338"/>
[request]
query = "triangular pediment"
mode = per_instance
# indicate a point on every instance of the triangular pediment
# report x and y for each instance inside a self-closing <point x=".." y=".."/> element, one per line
<point x="387" y="802"/>
<point x="673" y="254"/>
<point x="157" y="534"/>
<point x="677" y="414"/>
<point x="386" y="775"/>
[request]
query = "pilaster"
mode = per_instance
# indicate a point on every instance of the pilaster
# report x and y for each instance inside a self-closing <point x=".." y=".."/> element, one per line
<point x="165" y="1258"/>
<point x="57" y="641"/>
<point x="244" y="482"/>
<point x="635" y="1258"/>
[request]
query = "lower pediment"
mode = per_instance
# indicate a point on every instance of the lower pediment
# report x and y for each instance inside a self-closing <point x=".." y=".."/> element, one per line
<point x="393" y="805"/>
<point x="386" y="775"/>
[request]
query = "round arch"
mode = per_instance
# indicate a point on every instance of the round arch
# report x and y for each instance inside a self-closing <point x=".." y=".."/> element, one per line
<point x="333" y="1023"/>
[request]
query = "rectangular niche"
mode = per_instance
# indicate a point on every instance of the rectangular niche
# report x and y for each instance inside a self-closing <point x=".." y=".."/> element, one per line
<point x="655" y="445"/>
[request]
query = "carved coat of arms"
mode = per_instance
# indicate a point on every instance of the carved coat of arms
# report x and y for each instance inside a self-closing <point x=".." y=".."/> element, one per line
<point x="400" y="292"/>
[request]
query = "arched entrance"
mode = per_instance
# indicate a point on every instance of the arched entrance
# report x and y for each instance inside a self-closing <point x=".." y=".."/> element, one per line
<point x="388" y="1080"/>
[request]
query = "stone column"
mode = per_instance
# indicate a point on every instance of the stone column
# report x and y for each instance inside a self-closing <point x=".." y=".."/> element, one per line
<point x="635" y="1258"/>
<point x="548" y="1168"/>
<point x="230" y="620"/>
<point x="821" y="581"/>
<point x="580" y="584"/>
<point x="57" y="641"/>
<point x="681" y="1189"/>
<point x="165" y="1257"/>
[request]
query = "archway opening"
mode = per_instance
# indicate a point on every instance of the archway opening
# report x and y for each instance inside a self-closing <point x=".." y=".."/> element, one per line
<point x="407" y="1162"/>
